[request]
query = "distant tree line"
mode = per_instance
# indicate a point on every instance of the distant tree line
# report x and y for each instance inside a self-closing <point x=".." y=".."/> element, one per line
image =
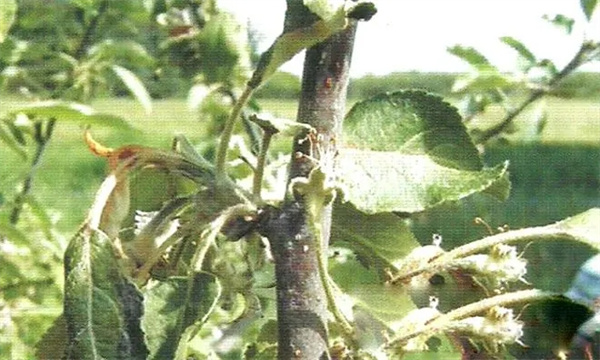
<point x="581" y="85"/>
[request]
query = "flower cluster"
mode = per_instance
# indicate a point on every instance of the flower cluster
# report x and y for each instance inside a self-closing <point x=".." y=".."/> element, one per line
<point x="501" y="266"/>
<point x="499" y="327"/>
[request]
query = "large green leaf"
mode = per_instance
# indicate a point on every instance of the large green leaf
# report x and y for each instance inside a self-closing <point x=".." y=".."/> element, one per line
<point x="101" y="309"/>
<point x="175" y="309"/>
<point x="72" y="112"/>
<point x="8" y="13"/>
<point x="379" y="240"/>
<point x="412" y="123"/>
<point x="135" y="85"/>
<point x="414" y="153"/>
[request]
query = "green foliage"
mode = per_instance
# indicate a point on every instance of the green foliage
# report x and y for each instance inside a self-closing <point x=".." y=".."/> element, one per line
<point x="281" y="85"/>
<point x="588" y="7"/>
<point x="8" y="11"/>
<point x="97" y="301"/>
<point x="171" y="252"/>
<point x="486" y="85"/>
<point x="418" y="155"/>
<point x="70" y="112"/>
<point x="175" y="309"/>
<point x="135" y="86"/>
<point x="371" y="85"/>
<point x="379" y="240"/>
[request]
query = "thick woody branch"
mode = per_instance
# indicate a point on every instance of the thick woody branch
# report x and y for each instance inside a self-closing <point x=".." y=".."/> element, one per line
<point x="301" y="299"/>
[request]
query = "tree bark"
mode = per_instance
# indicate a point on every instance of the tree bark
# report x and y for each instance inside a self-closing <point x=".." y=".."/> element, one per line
<point x="301" y="302"/>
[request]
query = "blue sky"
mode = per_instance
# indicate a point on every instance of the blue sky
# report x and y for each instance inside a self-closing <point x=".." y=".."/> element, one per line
<point x="410" y="35"/>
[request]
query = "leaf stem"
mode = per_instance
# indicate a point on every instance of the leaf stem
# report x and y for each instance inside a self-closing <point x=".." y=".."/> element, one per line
<point x="209" y="234"/>
<point x="539" y="233"/>
<point x="228" y="131"/>
<point x="260" y="165"/>
<point x="439" y="323"/>
<point x="327" y="282"/>
<point x="41" y="140"/>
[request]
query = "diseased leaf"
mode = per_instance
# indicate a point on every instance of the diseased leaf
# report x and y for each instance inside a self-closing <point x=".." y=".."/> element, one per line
<point x="135" y="85"/>
<point x="52" y="344"/>
<point x="102" y="309"/>
<point x="72" y="112"/>
<point x="519" y="47"/>
<point x="175" y="310"/>
<point x="377" y="181"/>
<point x="97" y="323"/>
<point x="8" y="13"/>
<point x="379" y="240"/>
<point x="588" y="7"/>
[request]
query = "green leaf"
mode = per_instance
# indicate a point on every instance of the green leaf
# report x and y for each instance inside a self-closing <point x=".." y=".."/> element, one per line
<point x="281" y="126"/>
<point x="123" y="51"/>
<point x="72" y="112"/>
<point x="412" y="123"/>
<point x="98" y="303"/>
<point x="482" y="82"/>
<point x="470" y="55"/>
<point x="519" y="47"/>
<point x="12" y="143"/>
<point x="287" y="45"/>
<point x="10" y="232"/>
<point x="382" y="181"/>
<point x="588" y="7"/>
<point x="41" y="214"/>
<point x="8" y="13"/>
<point x="423" y="155"/>
<point x="175" y="309"/>
<point x="379" y="240"/>
<point x="584" y="227"/>
<point x="135" y="85"/>
<point x="388" y="304"/>
<point x="561" y="22"/>
<point x="187" y="150"/>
